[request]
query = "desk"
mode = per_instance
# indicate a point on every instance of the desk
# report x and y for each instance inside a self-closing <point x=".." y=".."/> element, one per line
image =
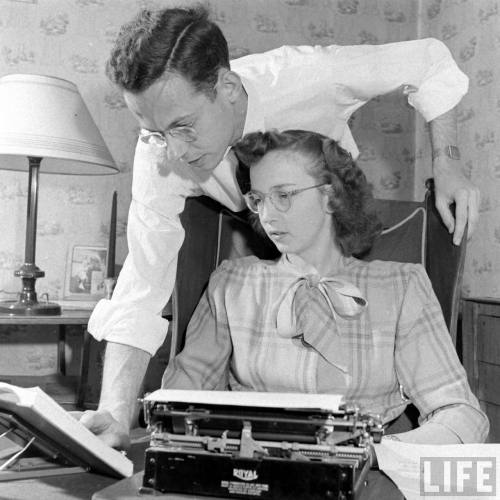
<point x="67" y="317"/>
<point x="80" y="486"/>
<point x="85" y="486"/>
<point x="481" y="355"/>
<point x="380" y="487"/>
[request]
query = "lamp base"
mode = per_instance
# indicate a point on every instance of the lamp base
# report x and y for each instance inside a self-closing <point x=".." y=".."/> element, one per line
<point x="20" y="308"/>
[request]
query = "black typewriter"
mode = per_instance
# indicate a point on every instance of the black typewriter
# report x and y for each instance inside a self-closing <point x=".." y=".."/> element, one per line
<point x="257" y="445"/>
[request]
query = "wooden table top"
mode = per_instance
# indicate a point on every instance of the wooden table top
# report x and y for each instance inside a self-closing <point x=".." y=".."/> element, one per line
<point x="67" y="317"/>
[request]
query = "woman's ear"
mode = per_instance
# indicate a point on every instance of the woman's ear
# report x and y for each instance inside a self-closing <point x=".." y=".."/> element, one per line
<point x="229" y="83"/>
<point x="327" y="193"/>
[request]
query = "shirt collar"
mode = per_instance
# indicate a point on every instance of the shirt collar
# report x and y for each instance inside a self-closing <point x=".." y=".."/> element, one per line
<point x="298" y="266"/>
<point x="254" y="120"/>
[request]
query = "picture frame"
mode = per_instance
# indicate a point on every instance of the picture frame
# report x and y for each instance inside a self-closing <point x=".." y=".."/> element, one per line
<point x="85" y="273"/>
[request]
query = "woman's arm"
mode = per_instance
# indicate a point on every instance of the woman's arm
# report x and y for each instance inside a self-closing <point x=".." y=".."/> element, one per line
<point x="430" y="372"/>
<point x="204" y="361"/>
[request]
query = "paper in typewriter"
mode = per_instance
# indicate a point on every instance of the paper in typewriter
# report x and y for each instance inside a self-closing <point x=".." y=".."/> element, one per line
<point x="290" y="400"/>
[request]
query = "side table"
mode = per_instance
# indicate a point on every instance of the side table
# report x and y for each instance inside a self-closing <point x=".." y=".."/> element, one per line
<point x="67" y="317"/>
<point x="481" y="355"/>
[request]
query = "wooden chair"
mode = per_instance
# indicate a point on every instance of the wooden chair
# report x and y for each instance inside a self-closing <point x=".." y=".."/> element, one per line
<point x="413" y="232"/>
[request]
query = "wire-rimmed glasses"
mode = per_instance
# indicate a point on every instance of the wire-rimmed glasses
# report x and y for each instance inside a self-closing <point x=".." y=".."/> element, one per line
<point x="185" y="133"/>
<point x="281" y="200"/>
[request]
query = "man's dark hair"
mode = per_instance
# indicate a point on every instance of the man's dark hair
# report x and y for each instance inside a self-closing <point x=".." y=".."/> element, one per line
<point x="350" y="195"/>
<point x="180" y="40"/>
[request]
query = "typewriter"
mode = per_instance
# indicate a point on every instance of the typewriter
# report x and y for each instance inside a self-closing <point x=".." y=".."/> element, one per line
<point x="257" y="445"/>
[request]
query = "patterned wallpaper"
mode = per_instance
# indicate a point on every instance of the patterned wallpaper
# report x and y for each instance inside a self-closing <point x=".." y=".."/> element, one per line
<point x="72" y="38"/>
<point x="471" y="29"/>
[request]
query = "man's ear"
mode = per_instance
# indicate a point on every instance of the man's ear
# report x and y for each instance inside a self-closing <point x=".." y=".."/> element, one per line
<point x="229" y="83"/>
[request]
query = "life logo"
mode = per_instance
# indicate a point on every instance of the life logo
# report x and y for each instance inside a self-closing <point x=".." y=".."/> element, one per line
<point x="458" y="476"/>
<point x="245" y="474"/>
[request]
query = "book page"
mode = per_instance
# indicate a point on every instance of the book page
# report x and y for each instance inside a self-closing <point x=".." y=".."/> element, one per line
<point x="52" y="423"/>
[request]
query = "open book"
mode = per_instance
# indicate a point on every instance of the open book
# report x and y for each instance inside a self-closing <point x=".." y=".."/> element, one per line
<point x="35" y="413"/>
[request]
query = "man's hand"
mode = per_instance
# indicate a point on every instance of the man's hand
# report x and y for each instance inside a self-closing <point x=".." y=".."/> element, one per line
<point x="104" y="426"/>
<point x="451" y="185"/>
<point x="450" y="182"/>
<point x="124" y="369"/>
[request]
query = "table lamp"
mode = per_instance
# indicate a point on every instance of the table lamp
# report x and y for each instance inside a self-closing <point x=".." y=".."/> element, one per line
<point x="45" y="127"/>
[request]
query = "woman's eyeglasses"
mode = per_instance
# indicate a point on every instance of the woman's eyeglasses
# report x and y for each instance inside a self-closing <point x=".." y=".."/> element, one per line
<point x="281" y="200"/>
<point x="184" y="133"/>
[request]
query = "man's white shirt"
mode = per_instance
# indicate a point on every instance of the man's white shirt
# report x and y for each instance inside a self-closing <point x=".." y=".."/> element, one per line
<point x="312" y="88"/>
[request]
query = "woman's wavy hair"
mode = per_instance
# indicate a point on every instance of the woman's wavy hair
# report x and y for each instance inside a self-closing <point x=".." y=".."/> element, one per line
<point x="183" y="41"/>
<point x="350" y="195"/>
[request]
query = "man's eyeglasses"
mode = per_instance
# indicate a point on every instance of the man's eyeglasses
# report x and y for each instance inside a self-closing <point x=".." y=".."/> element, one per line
<point x="281" y="200"/>
<point x="185" y="133"/>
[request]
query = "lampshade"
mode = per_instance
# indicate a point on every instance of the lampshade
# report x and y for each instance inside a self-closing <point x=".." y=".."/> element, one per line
<point x="45" y="127"/>
<point x="45" y="116"/>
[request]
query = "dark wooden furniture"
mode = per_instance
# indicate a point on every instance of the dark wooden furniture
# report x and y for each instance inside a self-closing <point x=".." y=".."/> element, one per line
<point x="481" y="355"/>
<point x="443" y="261"/>
<point x="67" y="317"/>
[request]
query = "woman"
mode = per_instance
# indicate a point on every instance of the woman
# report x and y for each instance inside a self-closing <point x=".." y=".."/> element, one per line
<point x="317" y="319"/>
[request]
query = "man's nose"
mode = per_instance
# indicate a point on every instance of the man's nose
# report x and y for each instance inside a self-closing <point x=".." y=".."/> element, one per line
<point x="176" y="148"/>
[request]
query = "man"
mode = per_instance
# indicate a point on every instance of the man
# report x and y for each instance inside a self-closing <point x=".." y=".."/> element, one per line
<point x="192" y="106"/>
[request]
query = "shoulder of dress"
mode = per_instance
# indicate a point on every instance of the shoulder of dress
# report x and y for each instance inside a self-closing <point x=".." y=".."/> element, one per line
<point x="387" y="269"/>
<point x="240" y="272"/>
<point x="240" y="264"/>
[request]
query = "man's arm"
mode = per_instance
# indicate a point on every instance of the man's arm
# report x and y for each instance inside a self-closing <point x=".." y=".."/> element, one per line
<point x="131" y="321"/>
<point x="201" y="365"/>
<point x="451" y="184"/>
<point x="426" y="72"/>
<point x="124" y="370"/>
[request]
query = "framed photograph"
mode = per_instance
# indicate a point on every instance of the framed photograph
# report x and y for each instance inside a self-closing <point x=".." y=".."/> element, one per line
<point x="85" y="273"/>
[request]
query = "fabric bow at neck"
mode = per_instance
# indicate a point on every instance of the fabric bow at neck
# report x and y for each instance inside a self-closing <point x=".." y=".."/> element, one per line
<point x="310" y="308"/>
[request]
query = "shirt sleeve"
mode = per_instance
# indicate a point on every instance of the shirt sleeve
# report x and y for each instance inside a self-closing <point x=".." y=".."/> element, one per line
<point x="204" y="361"/>
<point x="366" y="71"/>
<point x="154" y="236"/>
<point x="428" y="367"/>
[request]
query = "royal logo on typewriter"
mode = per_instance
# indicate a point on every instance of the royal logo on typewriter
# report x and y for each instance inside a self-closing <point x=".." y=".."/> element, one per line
<point x="245" y="474"/>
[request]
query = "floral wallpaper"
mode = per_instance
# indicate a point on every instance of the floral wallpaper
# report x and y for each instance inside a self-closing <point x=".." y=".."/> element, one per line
<point x="471" y="29"/>
<point x="71" y="39"/>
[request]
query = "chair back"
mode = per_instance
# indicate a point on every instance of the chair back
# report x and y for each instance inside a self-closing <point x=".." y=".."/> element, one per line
<point x="413" y="232"/>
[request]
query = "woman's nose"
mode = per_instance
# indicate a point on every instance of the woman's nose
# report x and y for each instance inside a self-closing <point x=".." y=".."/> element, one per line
<point x="267" y="211"/>
<point x="176" y="148"/>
